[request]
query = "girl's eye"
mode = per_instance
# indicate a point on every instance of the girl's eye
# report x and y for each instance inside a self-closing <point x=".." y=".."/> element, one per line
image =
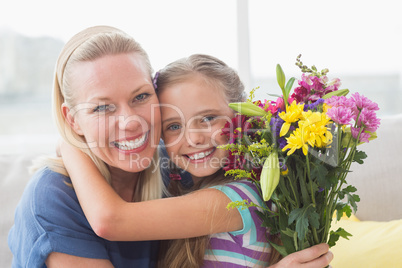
<point x="142" y="96"/>
<point x="174" y="127"/>
<point x="208" y="118"/>
<point x="104" y="108"/>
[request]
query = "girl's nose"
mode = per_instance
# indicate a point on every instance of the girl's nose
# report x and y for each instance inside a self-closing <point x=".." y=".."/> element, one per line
<point x="195" y="137"/>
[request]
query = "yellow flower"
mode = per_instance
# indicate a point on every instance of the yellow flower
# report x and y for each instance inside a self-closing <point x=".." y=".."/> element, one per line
<point x="312" y="131"/>
<point x="292" y="114"/>
<point x="296" y="141"/>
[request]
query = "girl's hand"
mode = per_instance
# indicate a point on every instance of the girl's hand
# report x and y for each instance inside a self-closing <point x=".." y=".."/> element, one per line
<point x="317" y="256"/>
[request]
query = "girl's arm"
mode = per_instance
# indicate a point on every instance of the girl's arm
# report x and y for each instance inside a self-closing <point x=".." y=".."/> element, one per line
<point x="199" y="213"/>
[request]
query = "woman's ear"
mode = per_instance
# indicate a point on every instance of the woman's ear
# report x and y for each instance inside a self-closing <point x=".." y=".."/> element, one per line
<point x="71" y="119"/>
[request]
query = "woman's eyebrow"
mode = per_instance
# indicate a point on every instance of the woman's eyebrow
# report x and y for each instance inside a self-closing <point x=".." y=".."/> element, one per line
<point x="105" y="98"/>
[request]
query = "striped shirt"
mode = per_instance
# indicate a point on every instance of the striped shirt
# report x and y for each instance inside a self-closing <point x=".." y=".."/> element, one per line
<point x="244" y="248"/>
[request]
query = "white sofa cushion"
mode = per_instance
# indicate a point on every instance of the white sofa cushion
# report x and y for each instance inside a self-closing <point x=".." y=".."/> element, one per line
<point x="379" y="179"/>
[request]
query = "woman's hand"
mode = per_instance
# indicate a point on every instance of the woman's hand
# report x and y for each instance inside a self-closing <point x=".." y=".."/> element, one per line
<point x="317" y="256"/>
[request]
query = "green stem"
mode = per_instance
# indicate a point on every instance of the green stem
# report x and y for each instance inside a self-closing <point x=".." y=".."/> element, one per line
<point x="316" y="240"/>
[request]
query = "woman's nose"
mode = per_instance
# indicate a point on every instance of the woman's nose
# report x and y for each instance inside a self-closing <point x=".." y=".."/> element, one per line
<point x="126" y="120"/>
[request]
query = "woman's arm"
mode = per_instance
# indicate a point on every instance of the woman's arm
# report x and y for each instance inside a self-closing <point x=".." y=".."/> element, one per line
<point x="317" y="256"/>
<point x="200" y="213"/>
<point x="61" y="260"/>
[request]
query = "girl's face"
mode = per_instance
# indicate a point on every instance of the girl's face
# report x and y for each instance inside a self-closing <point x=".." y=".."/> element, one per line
<point x="193" y="114"/>
<point x="118" y="110"/>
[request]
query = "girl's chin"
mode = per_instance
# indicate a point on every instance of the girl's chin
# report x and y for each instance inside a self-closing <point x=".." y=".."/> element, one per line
<point x="203" y="173"/>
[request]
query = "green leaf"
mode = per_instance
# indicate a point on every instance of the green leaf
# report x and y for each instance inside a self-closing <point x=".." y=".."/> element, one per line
<point x="280" y="76"/>
<point x="319" y="173"/>
<point x="304" y="217"/>
<point x="274" y="95"/>
<point x="334" y="236"/>
<point x="299" y="215"/>
<point x="286" y="234"/>
<point x="359" y="156"/>
<point x="280" y="249"/>
<point x="289" y="86"/>
<point x="341" y="209"/>
<point x="353" y="199"/>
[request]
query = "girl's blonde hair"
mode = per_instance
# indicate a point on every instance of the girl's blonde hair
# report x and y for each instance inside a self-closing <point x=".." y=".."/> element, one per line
<point x="89" y="45"/>
<point x="190" y="252"/>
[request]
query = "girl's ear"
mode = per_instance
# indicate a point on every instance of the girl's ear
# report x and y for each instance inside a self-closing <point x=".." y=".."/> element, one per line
<point x="71" y="119"/>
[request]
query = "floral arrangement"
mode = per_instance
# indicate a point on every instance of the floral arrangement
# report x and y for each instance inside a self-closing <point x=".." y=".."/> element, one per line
<point x="298" y="150"/>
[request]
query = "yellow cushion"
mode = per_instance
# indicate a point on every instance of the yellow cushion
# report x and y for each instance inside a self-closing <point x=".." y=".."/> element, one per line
<point x="373" y="244"/>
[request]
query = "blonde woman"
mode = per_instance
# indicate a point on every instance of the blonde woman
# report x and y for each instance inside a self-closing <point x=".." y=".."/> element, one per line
<point x="103" y="101"/>
<point x="194" y="93"/>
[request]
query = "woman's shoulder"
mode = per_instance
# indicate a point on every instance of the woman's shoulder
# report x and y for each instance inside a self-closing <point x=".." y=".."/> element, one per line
<point x="45" y="181"/>
<point x="47" y="189"/>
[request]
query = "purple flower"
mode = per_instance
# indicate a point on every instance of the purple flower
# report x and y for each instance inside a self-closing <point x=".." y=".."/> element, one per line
<point x="155" y="80"/>
<point x="276" y="124"/>
<point x="282" y="142"/>
<point x="314" y="105"/>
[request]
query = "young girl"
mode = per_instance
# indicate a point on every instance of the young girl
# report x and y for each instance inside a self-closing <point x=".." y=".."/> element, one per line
<point x="194" y="94"/>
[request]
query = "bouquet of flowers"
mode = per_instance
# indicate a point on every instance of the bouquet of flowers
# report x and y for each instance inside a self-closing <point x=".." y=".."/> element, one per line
<point x="298" y="150"/>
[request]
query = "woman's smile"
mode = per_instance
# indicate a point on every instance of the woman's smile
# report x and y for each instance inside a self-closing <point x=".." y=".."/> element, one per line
<point x="132" y="145"/>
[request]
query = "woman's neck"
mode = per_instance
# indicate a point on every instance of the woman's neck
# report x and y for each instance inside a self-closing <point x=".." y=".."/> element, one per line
<point x="124" y="183"/>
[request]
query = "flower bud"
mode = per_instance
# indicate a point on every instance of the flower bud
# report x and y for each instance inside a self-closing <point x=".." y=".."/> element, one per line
<point x="270" y="175"/>
<point x="341" y="92"/>
<point x="247" y="108"/>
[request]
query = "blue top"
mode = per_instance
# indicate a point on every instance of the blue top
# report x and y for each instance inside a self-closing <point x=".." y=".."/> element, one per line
<point x="50" y="219"/>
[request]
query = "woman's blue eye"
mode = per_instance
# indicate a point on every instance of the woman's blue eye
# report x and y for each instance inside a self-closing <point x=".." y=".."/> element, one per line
<point x="104" y="108"/>
<point x="101" y="108"/>
<point x="174" y="127"/>
<point x="142" y="96"/>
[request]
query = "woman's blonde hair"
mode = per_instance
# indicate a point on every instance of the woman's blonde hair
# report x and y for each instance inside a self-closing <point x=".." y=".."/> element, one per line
<point x="190" y="252"/>
<point x="89" y="45"/>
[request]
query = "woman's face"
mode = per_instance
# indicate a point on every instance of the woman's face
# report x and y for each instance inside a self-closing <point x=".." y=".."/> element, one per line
<point x="193" y="114"/>
<point x="118" y="110"/>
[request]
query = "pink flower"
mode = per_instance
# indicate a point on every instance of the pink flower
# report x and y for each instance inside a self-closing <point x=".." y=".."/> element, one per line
<point x="368" y="120"/>
<point x="313" y="88"/>
<point x="274" y="106"/>
<point x="333" y="85"/>
<point x="363" y="102"/>
<point x="340" y="114"/>
<point x="364" y="137"/>
<point x="237" y="128"/>
<point x="340" y="101"/>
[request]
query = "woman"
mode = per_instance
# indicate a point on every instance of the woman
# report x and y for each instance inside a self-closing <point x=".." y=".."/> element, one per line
<point x="194" y="93"/>
<point x="100" y="64"/>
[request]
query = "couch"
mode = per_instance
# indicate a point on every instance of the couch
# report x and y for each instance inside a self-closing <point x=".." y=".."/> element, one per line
<point x="376" y="227"/>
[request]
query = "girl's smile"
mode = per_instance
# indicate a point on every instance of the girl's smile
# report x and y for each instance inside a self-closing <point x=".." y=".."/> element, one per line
<point x="202" y="156"/>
